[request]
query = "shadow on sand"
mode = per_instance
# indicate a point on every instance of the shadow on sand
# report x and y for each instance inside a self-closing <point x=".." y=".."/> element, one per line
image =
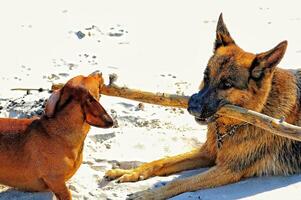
<point x="12" y="194"/>
<point x="243" y="189"/>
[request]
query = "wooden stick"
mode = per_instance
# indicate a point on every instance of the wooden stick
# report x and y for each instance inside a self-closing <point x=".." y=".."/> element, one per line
<point x="276" y="126"/>
<point x="162" y="99"/>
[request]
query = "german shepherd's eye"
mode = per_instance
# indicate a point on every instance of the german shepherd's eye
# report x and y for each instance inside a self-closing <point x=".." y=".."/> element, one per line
<point x="225" y="85"/>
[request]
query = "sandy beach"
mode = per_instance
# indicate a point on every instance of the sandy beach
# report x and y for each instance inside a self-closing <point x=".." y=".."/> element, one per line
<point x="158" y="46"/>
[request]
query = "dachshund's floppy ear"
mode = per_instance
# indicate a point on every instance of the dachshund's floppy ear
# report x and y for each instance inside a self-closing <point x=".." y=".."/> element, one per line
<point x="52" y="102"/>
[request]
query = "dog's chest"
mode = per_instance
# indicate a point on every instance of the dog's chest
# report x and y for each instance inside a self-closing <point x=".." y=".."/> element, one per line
<point x="74" y="161"/>
<point x="242" y="148"/>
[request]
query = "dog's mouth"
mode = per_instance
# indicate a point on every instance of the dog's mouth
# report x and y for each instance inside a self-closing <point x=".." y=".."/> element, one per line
<point x="207" y="116"/>
<point x="205" y="121"/>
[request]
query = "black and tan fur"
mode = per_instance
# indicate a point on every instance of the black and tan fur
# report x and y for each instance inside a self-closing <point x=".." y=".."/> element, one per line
<point x="249" y="80"/>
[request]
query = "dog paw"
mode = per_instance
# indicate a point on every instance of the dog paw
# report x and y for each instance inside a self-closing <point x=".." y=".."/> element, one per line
<point x="146" y="195"/>
<point x="116" y="173"/>
<point x="126" y="175"/>
<point x="131" y="177"/>
<point x="137" y="174"/>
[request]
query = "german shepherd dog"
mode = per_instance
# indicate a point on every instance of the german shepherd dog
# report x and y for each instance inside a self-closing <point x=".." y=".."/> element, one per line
<point x="233" y="150"/>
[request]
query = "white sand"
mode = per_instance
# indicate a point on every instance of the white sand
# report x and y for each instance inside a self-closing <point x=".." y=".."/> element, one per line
<point x="160" y="46"/>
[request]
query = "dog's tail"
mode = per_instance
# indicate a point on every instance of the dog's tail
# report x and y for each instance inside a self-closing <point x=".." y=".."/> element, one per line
<point x="10" y="125"/>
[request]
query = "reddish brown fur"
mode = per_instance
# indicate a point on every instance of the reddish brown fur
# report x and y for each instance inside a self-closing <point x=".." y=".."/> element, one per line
<point x="260" y="86"/>
<point x="10" y="125"/>
<point x="50" y="150"/>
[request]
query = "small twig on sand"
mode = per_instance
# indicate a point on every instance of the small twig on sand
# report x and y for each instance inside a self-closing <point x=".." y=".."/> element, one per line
<point x="31" y="89"/>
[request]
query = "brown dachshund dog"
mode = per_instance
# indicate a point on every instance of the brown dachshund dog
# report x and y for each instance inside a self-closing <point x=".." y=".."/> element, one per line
<point x="50" y="150"/>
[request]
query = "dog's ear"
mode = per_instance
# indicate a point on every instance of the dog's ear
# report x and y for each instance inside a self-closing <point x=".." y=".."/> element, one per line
<point x="223" y="37"/>
<point x="267" y="61"/>
<point x="95" y="114"/>
<point x="96" y="74"/>
<point x="52" y="102"/>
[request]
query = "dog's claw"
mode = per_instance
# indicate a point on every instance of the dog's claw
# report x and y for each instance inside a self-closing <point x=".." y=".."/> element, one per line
<point x="107" y="178"/>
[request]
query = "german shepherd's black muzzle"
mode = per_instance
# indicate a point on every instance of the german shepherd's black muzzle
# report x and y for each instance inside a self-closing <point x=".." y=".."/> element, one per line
<point x="203" y="105"/>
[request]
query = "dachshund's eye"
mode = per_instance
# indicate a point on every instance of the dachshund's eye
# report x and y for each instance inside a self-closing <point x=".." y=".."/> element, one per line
<point x="225" y="85"/>
<point x="89" y="100"/>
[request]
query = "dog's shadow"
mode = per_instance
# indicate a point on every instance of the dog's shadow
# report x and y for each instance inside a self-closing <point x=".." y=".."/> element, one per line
<point x="12" y="194"/>
<point x="243" y="189"/>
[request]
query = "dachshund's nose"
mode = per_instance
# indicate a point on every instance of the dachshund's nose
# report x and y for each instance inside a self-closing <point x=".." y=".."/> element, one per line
<point x="108" y="121"/>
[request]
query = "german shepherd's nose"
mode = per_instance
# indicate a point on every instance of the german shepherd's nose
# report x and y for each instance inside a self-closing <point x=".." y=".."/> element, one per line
<point x="194" y="106"/>
<point x="203" y="104"/>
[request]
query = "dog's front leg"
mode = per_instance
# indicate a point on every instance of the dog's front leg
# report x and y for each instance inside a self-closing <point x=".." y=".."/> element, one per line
<point x="216" y="176"/>
<point x="195" y="159"/>
<point x="59" y="188"/>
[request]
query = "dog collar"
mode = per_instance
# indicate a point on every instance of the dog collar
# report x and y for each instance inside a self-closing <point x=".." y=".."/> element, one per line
<point x="232" y="130"/>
